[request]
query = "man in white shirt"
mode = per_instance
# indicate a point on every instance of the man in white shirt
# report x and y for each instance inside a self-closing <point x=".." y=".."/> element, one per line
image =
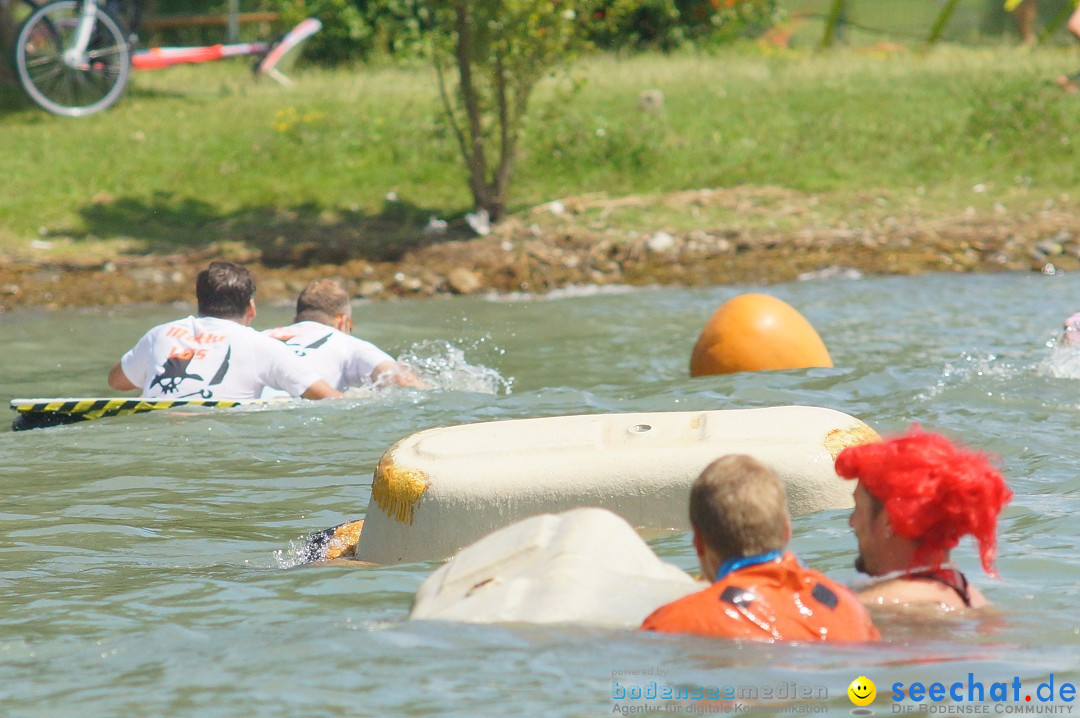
<point x="216" y="355"/>
<point x="320" y="335"/>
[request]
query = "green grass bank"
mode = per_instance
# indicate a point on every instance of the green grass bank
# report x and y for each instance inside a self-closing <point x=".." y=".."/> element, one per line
<point x="201" y="155"/>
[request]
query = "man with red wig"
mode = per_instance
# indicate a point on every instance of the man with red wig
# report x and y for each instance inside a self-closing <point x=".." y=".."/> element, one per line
<point x="917" y="495"/>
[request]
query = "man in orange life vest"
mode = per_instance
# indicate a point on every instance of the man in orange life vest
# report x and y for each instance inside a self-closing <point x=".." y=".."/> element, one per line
<point x="739" y="515"/>
<point x="917" y="496"/>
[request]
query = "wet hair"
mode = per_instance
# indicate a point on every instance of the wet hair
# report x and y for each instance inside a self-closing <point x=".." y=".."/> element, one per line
<point x="321" y="300"/>
<point x="224" y="290"/>
<point x="739" y="507"/>
<point x="934" y="491"/>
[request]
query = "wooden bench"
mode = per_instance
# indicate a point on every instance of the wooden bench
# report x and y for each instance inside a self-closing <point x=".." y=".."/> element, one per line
<point x="167" y="22"/>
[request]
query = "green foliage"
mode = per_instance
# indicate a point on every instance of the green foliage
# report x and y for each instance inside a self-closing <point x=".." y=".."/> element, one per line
<point x="670" y="24"/>
<point x="360" y="29"/>
<point x="345" y="34"/>
<point x="525" y="36"/>
<point x="399" y="26"/>
<point x="363" y="28"/>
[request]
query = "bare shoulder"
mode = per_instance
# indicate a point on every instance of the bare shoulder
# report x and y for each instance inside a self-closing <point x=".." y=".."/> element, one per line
<point x="906" y="593"/>
<point x="978" y="600"/>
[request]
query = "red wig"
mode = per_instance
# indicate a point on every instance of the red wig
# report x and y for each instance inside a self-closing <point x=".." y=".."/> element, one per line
<point x="933" y="491"/>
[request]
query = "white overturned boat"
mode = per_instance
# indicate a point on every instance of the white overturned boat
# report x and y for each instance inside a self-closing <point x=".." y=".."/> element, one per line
<point x="439" y="490"/>
<point x="572" y="567"/>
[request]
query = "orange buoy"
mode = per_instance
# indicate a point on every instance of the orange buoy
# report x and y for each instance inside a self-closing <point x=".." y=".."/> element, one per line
<point x="757" y="332"/>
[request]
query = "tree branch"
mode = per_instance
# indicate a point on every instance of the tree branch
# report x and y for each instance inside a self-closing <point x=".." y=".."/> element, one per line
<point x="506" y="134"/>
<point x="451" y="115"/>
<point x="476" y="160"/>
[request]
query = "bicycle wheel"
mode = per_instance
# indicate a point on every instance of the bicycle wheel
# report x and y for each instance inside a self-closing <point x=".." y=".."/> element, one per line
<point x="73" y="89"/>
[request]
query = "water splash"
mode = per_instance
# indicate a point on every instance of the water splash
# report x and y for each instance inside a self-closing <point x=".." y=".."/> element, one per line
<point x="833" y="272"/>
<point x="297" y="554"/>
<point x="1063" y="362"/>
<point x="303" y="552"/>
<point x="969" y="368"/>
<point x="570" y="291"/>
<point x="443" y="366"/>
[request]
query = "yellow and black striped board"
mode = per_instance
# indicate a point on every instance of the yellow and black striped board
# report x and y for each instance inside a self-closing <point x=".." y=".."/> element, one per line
<point x="40" y="413"/>
<point x="335" y="542"/>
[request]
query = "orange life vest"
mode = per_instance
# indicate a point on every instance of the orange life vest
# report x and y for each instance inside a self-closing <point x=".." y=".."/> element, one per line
<point x="779" y="600"/>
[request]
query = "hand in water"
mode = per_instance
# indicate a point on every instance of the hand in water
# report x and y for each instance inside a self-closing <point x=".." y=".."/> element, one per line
<point x="1071" y="335"/>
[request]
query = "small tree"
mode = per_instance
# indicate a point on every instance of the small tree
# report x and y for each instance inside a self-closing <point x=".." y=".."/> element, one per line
<point x="501" y="49"/>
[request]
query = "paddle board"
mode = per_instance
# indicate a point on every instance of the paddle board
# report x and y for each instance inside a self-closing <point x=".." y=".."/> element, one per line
<point x="41" y="413"/>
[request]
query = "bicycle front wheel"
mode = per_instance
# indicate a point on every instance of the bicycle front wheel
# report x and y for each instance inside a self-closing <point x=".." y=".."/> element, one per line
<point x="67" y="86"/>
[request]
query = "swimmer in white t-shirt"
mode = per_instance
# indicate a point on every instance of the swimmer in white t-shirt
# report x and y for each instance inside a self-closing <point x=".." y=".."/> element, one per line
<point x="216" y="355"/>
<point x="320" y="335"/>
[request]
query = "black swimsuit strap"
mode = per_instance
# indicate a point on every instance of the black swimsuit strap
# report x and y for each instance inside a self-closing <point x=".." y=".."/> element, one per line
<point x="951" y="578"/>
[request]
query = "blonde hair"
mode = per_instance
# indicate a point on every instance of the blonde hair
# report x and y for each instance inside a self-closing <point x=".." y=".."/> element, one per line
<point x="320" y="301"/>
<point x="739" y="507"/>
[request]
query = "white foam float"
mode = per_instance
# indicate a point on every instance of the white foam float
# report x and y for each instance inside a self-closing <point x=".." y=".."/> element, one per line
<point x="441" y="489"/>
<point x="574" y="567"/>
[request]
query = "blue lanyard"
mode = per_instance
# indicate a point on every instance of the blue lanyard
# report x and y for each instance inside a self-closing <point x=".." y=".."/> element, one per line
<point x="735" y="564"/>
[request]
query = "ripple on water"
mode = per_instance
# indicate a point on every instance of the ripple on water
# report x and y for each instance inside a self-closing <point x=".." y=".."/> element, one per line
<point x="147" y="562"/>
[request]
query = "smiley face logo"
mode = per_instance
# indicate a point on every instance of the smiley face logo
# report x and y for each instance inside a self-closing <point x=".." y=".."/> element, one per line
<point x="862" y="691"/>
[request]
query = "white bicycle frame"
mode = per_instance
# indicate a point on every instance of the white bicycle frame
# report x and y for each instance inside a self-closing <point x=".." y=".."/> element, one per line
<point x="75" y="56"/>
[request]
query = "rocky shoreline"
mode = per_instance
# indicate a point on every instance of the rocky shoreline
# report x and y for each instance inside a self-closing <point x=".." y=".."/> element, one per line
<point x="543" y="249"/>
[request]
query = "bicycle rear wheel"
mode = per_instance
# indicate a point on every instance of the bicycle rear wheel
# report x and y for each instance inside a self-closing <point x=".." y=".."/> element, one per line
<point x="72" y="89"/>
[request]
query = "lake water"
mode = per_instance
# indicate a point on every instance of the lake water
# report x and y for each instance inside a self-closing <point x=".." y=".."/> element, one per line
<point x="147" y="562"/>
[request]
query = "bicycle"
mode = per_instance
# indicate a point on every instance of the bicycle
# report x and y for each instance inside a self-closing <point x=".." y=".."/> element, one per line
<point x="74" y="57"/>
